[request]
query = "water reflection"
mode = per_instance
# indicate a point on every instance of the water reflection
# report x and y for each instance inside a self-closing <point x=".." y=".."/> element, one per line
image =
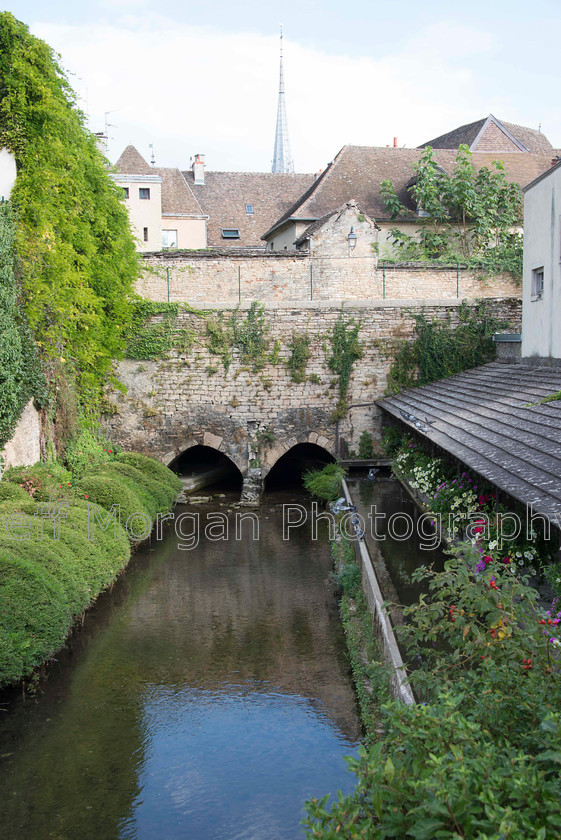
<point x="401" y="557"/>
<point x="207" y="697"/>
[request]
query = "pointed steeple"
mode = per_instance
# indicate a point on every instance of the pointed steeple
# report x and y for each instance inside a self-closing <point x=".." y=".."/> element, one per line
<point x="282" y="160"/>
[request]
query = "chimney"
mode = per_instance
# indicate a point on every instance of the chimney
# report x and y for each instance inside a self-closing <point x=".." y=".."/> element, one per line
<point x="199" y="170"/>
<point x="395" y="142"/>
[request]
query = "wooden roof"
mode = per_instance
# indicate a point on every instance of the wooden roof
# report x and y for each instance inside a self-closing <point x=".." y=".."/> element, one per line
<point x="492" y="420"/>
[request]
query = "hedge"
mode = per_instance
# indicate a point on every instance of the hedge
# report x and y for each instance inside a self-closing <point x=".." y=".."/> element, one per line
<point x="45" y="584"/>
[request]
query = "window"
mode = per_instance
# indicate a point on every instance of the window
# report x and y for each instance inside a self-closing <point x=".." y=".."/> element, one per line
<point x="230" y="233"/>
<point x="145" y="234"/>
<point x="249" y="209"/>
<point x="169" y="239"/>
<point x="144" y="192"/>
<point x="125" y="192"/>
<point x="537" y="283"/>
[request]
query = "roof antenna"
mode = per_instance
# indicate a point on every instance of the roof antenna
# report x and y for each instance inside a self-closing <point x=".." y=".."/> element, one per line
<point x="152" y="158"/>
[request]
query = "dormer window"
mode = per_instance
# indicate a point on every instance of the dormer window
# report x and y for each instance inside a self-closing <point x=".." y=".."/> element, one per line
<point x="249" y="209"/>
<point x="230" y="233"/>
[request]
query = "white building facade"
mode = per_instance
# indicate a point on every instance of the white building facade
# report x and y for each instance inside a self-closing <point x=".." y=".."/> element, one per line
<point x="541" y="311"/>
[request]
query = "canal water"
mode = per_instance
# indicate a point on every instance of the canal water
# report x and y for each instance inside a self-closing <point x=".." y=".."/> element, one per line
<point x="395" y="553"/>
<point x="207" y="696"/>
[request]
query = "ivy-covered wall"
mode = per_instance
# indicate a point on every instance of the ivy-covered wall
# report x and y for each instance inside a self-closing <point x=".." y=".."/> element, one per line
<point x="264" y="378"/>
<point x="77" y="262"/>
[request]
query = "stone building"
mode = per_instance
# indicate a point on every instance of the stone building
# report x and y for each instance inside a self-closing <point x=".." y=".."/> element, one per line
<point x="357" y="172"/>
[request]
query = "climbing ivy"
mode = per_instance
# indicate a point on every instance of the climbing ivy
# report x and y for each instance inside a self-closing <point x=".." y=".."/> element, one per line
<point x="246" y="335"/>
<point x="345" y="350"/>
<point x="73" y="236"/>
<point x="250" y="336"/>
<point x="299" y="356"/>
<point x="21" y="376"/>
<point x="440" y="349"/>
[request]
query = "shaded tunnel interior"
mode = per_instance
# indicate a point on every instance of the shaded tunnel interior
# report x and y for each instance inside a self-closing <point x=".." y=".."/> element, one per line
<point x="209" y="469"/>
<point x="287" y="473"/>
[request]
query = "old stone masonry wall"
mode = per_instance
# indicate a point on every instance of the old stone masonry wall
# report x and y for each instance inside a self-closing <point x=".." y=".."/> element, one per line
<point x="254" y="417"/>
<point x="213" y="277"/>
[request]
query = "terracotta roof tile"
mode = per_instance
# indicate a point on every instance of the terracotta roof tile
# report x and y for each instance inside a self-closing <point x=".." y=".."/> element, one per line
<point x="177" y="196"/>
<point x="224" y="196"/>
<point x="357" y="172"/>
<point x="131" y="162"/>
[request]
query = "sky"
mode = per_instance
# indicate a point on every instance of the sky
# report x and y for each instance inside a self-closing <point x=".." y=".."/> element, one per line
<point x="202" y="78"/>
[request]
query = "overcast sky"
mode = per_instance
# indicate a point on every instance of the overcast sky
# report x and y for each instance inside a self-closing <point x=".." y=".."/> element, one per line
<point x="203" y="77"/>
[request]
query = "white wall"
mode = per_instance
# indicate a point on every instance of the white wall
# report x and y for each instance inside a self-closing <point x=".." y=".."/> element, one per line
<point x="541" y="324"/>
<point x="144" y="213"/>
<point x="8" y="173"/>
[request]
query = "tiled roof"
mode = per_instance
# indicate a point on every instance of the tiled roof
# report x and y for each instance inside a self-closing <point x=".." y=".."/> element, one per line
<point x="357" y="172"/>
<point x="453" y="139"/>
<point x="131" y="162"/>
<point x="531" y="138"/>
<point x="491" y="420"/>
<point x="224" y="196"/>
<point x="177" y="196"/>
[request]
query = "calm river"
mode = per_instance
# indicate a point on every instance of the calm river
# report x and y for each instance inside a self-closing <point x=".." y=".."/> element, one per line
<point x="207" y="696"/>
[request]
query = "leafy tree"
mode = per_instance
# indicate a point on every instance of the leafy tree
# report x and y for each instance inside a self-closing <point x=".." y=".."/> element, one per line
<point x="73" y="236"/>
<point x="469" y="215"/>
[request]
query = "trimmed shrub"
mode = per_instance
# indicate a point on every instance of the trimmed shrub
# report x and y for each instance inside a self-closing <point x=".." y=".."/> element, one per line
<point x="107" y="490"/>
<point x="12" y="492"/>
<point x="152" y="468"/>
<point x="162" y="494"/>
<point x="44" y="482"/>
<point x="35" y="619"/>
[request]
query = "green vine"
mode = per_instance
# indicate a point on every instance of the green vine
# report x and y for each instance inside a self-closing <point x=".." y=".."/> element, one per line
<point x="153" y="330"/>
<point x="73" y="238"/>
<point x="345" y="351"/>
<point x="250" y="336"/>
<point x="21" y="376"/>
<point x="299" y="356"/>
<point x="440" y="349"/>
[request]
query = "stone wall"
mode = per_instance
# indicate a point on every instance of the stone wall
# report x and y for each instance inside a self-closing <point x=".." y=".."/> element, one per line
<point x="215" y="277"/>
<point x="24" y="447"/>
<point x="188" y="398"/>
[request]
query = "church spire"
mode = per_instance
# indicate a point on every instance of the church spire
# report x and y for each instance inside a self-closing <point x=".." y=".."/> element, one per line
<point x="282" y="160"/>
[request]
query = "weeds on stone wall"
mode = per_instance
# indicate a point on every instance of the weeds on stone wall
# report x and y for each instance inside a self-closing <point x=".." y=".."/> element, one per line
<point x="440" y="349"/>
<point x="249" y="336"/>
<point x="153" y="331"/>
<point x="299" y="356"/>
<point x="345" y="351"/>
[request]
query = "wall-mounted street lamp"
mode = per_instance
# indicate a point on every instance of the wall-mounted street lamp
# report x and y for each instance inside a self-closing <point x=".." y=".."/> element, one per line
<point x="351" y="239"/>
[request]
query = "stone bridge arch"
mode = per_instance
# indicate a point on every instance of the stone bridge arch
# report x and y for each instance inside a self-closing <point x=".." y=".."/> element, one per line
<point x="325" y="442"/>
<point x="235" y="452"/>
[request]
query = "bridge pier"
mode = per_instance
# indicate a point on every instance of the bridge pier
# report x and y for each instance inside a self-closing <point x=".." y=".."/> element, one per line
<point x="252" y="488"/>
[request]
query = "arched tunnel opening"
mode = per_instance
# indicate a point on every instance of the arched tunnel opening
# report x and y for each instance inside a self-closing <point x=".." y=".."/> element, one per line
<point x="202" y="467"/>
<point x="287" y="473"/>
